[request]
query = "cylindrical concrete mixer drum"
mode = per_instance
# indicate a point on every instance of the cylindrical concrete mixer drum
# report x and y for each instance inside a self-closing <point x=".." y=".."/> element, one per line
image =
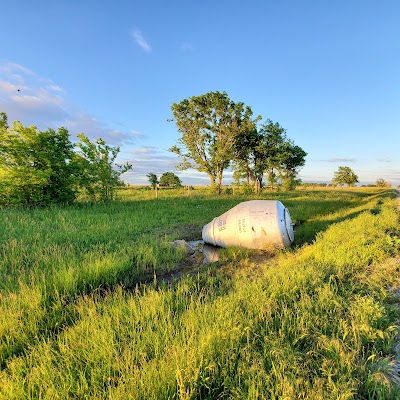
<point x="255" y="224"/>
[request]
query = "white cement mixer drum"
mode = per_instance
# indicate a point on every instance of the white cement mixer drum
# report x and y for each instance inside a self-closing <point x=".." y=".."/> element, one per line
<point x="255" y="224"/>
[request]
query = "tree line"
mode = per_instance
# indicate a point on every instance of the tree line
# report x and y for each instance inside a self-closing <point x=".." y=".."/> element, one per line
<point x="218" y="133"/>
<point x="44" y="167"/>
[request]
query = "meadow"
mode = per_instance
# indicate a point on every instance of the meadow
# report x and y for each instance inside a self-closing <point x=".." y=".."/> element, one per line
<point x="85" y="313"/>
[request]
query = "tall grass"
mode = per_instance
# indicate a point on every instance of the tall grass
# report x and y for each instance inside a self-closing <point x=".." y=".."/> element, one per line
<point x="315" y="322"/>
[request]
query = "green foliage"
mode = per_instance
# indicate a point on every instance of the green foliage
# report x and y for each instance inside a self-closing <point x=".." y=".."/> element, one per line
<point x="153" y="180"/>
<point x="209" y="125"/>
<point x="315" y="322"/>
<point x="41" y="167"/>
<point x="169" y="179"/>
<point x="345" y="175"/>
<point x="36" y="168"/>
<point x="96" y="165"/>
<point x="291" y="158"/>
<point x="256" y="151"/>
<point x="267" y="150"/>
<point x="245" y="188"/>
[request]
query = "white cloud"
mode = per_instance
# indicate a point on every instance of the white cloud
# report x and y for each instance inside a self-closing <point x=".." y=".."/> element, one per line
<point x="80" y="121"/>
<point x="38" y="101"/>
<point x="8" y="87"/>
<point x="385" y="160"/>
<point x="137" y="36"/>
<point x="144" y="150"/>
<point x="341" y="160"/>
<point x="137" y="134"/>
<point x="31" y="106"/>
<point x="153" y="159"/>
<point x="147" y="159"/>
<point x="55" y="88"/>
<point x="12" y="68"/>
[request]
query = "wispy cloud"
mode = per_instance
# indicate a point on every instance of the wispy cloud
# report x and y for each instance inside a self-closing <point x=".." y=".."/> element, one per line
<point x="153" y="159"/>
<point x="12" y="68"/>
<point x="38" y="101"/>
<point x="186" y="46"/>
<point x="385" y="160"/>
<point x="137" y="134"/>
<point x="8" y="87"/>
<point x="147" y="159"/>
<point x="137" y="36"/>
<point x="341" y="160"/>
<point x="55" y="88"/>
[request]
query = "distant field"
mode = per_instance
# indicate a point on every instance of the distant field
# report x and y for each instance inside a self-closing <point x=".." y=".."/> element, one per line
<point x="82" y="314"/>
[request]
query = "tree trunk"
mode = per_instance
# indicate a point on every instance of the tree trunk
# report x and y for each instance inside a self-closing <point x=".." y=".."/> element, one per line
<point x="219" y="183"/>
<point x="257" y="184"/>
<point x="212" y="180"/>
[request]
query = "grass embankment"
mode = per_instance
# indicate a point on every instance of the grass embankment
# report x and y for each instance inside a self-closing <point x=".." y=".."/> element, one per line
<point x="316" y="322"/>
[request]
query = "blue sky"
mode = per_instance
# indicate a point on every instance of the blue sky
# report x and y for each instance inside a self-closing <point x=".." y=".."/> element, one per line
<point x="327" y="71"/>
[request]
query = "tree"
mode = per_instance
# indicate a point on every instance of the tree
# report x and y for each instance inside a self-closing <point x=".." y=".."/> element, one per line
<point x="36" y="167"/>
<point x="97" y="172"/>
<point x="56" y="151"/>
<point x="245" y="155"/>
<point x="42" y="167"/>
<point x="345" y="175"/>
<point x="209" y="125"/>
<point x="272" y="139"/>
<point x="382" y="183"/>
<point x="267" y="150"/>
<point x="153" y="180"/>
<point x="291" y="158"/>
<point x="169" y="179"/>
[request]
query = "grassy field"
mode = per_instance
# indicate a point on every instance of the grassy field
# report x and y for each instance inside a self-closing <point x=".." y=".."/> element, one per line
<point x="83" y="315"/>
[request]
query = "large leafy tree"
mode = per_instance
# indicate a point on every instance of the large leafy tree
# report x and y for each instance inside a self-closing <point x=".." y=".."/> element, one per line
<point x="98" y="174"/>
<point x="209" y="125"/>
<point x="169" y="179"/>
<point x="36" y="168"/>
<point x="345" y="176"/>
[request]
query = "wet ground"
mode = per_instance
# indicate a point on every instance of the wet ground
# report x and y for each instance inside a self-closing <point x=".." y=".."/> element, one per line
<point x="198" y="254"/>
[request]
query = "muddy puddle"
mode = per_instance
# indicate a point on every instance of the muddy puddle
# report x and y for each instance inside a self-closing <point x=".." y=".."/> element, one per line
<point x="204" y="252"/>
<point x="198" y="255"/>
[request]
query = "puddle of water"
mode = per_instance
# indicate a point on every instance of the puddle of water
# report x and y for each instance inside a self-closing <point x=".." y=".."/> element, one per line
<point x="209" y="252"/>
<point x="200" y="253"/>
<point x="195" y="243"/>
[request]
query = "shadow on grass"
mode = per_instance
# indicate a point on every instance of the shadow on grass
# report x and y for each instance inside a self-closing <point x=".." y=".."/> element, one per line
<point x="306" y="232"/>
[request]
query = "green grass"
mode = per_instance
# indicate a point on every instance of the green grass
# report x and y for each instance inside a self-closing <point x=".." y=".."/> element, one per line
<point x="315" y="322"/>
